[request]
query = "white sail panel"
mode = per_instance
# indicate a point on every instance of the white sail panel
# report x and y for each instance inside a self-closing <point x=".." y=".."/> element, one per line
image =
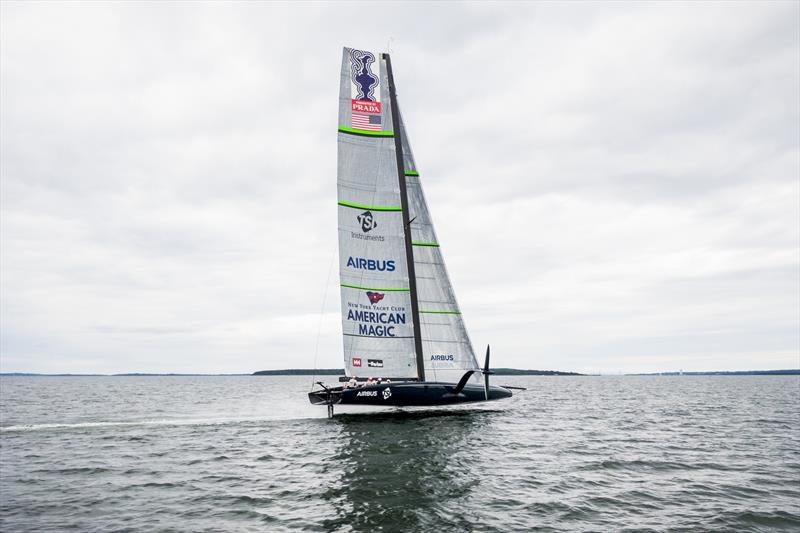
<point x="447" y="350"/>
<point x="376" y="303"/>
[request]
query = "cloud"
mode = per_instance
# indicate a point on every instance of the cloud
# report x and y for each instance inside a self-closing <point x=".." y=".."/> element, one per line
<point x="616" y="186"/>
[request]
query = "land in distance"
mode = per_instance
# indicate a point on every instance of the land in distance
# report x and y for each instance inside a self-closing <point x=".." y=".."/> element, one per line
<point x="497" y="371"/>
<point x="340" y="372"/>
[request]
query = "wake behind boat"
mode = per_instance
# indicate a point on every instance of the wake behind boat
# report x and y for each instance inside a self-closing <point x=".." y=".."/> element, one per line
<point x="400" y="319"/>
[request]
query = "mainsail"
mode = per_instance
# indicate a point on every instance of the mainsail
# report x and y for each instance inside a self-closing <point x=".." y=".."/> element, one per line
<point x="400" y="318"/>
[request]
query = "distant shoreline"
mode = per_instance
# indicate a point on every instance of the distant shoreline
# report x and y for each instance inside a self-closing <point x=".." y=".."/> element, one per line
<point x="783" y="372"/>
<point x="340" y="372"/>
<point x="129" y="374"/>
<point x="520" y="372"/>
<point x="497" y="371"/>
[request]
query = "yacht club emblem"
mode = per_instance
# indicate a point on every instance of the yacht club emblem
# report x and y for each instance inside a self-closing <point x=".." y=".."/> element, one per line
<point x="374" y="297"/>
<point x="387" y="393"/>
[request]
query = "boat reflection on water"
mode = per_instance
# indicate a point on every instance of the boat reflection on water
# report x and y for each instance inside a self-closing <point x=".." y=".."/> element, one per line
<point x="406" y="470"/>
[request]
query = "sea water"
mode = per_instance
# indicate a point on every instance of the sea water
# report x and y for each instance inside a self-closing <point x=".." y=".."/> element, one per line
<point x="249" y="453"/>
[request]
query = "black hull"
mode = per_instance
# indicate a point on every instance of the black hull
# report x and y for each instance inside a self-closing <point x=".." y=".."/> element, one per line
<point x="406" y="394"/>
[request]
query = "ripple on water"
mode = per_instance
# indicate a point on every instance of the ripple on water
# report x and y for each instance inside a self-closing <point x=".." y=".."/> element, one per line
<point x="571" y="454"/>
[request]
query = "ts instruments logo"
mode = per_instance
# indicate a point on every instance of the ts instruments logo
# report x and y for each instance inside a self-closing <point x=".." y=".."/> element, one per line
<point x="367" y="221"/>
<point x="356" y="361"/>
<point x="374" y="297"/>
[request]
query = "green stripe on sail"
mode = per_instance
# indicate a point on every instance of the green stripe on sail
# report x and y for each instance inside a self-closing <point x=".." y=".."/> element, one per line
<point x="372" y="288"/>
<point x="411" y="173"/>
<point x="441" y="312"/>
<point x="369" y="133"/>
<point x="371" y="207"/>
<point x="436" y="244"/>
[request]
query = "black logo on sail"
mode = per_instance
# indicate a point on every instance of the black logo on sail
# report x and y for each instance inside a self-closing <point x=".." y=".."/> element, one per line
<point x="367" y="221"/>
<point x="375" y="363"/>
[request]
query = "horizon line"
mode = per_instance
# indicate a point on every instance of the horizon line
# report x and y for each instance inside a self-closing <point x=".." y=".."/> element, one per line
<point x="311" y="371"/>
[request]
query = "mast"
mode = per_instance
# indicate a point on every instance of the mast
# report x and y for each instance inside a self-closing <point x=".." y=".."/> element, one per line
<point x="401" y="177"/>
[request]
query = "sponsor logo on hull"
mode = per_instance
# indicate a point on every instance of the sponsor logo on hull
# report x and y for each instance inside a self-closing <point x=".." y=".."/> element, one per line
<point x="367" y="393"/>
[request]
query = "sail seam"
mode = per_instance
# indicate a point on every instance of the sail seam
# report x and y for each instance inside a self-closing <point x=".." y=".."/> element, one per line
<point x="441" y="312"/>
<point x="424" y="243"/>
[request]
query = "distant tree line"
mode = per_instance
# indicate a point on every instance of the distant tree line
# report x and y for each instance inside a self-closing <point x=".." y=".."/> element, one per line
<point x="301" y="372"/>
<point x="784" y="372"/>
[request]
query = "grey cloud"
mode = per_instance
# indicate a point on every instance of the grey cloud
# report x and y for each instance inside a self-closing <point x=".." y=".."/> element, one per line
<point x="616" y="186"/>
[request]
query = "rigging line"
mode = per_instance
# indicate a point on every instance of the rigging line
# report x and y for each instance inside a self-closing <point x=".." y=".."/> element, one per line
<point x="322" y="313"/>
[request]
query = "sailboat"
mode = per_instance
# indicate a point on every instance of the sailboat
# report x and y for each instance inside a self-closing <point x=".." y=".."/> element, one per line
<point x="405" y="342"/>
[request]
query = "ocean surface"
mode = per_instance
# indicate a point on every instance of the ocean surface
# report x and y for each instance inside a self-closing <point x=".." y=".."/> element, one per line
<point x="251" y="454"/>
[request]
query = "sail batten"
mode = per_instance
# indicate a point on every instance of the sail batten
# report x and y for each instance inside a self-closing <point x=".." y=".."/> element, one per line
<point x="355" y="131"/>
<point x="371" y="207"/>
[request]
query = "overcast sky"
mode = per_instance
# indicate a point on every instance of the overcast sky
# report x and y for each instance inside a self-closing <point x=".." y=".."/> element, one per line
<point x="616" y="187"/>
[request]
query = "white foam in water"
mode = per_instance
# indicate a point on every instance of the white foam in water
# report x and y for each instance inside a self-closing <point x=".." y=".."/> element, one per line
<point x="162" y="422"/>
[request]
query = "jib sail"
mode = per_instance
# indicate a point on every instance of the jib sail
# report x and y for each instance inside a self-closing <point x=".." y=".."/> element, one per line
<point x="447" y="350"/>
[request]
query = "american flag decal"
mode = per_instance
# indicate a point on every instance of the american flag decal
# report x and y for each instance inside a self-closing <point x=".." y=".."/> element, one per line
<point x="363" y="121"/>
